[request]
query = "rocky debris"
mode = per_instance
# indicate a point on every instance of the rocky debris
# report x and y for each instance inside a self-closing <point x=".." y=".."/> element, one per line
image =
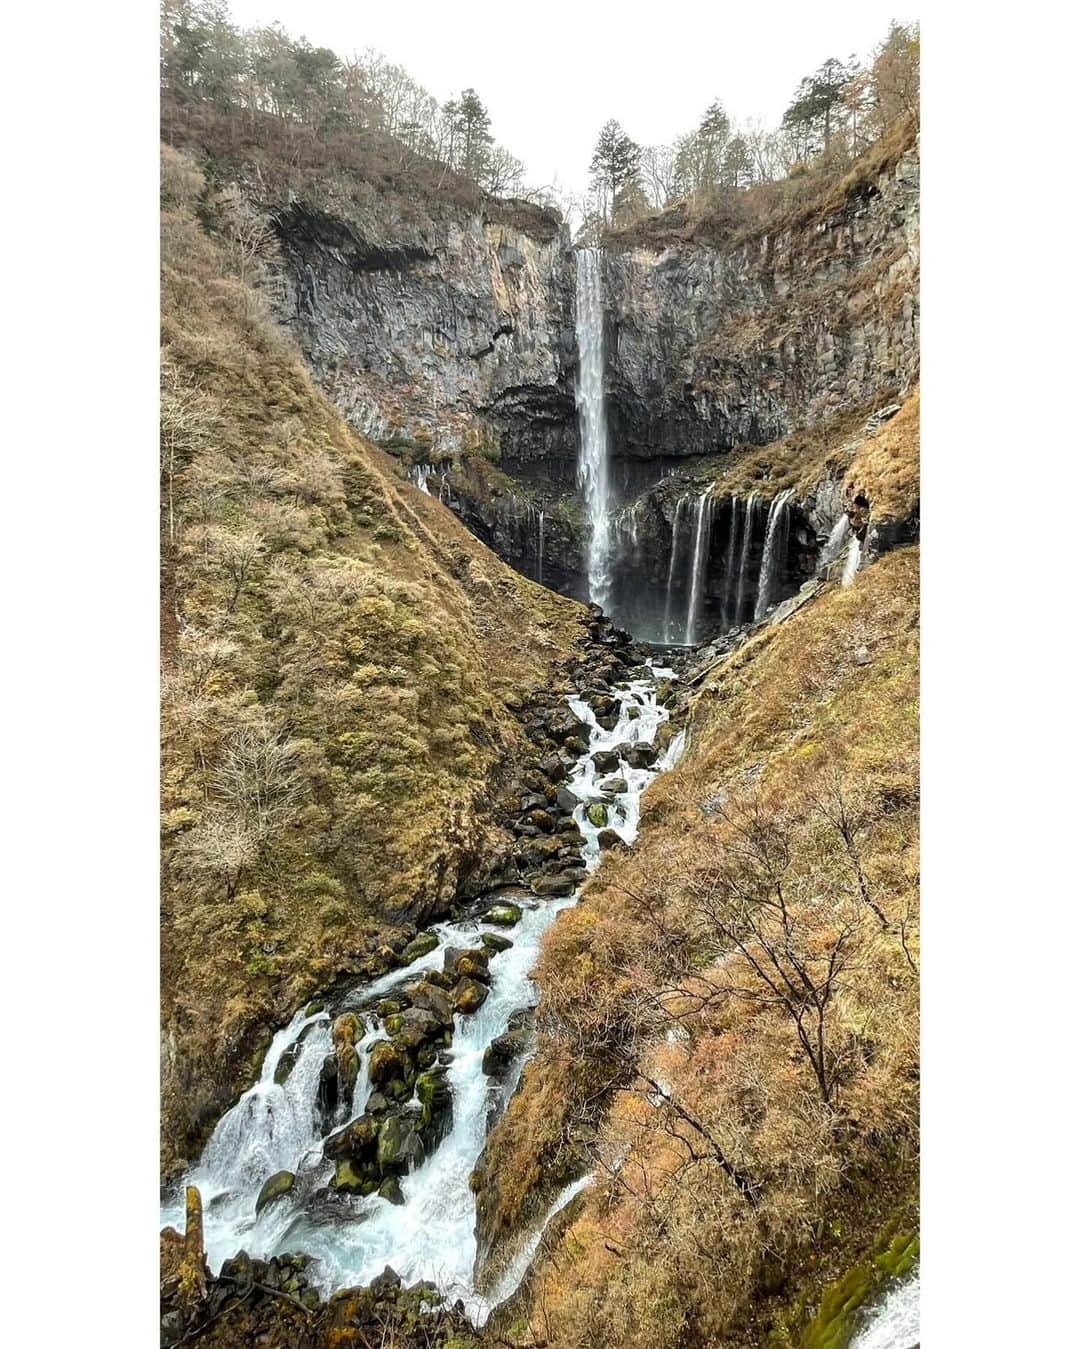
<point x="503" y="915"/>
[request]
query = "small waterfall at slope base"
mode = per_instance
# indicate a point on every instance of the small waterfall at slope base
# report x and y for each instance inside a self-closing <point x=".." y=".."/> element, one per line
<point x="894" y="1323"/>
<point x="276" y="1124"/>
<point x="776" y="537"/>
<point x="699" y="561"/>
<point x="851" y="562"/>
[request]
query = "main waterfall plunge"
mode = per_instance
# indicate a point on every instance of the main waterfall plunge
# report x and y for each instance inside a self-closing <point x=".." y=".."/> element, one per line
<point x="728" y="560"/>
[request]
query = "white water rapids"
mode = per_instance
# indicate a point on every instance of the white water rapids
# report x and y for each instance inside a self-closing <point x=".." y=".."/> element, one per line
<point x="275" y="1126"/>
<point x="894" y="1323"/>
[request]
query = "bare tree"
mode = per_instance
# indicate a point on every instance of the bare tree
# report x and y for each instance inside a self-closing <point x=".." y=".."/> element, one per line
<point x="259" y="776"/>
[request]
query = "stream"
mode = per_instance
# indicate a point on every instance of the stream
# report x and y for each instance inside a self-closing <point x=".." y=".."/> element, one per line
<point x="277" y="1125"/>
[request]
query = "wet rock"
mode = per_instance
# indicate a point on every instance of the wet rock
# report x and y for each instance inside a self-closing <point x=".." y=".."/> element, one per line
<point x="494" y="942"/>
<point x="429" y="997"/>
<point x="350" y="1179"/>
<point x="410" y="1029"/>
<point x="640" y="756"/>
<point x="327" y="1095"/>
<point x="576" y="745"/>
<point x="421" y="945"/>
<point x="553" y="768"/>
<point x="391" y="1189"/>
<point x="386" y="1284"/>
<point x="401" y="1148"/>
<point x="385" y="1062"/>
<point x="597" y="814"/>
<point x="503" y="915"/>
<point x="436" y="1105"/>
<point x="615" y="786"/>
<point x="542" y="820"/>
<point x="503" y="1051"/>
<point x="469" y="995"/>
<point x="572" y="830"/>
<point x="565" y="799"/>
<point x="552" y="887"/>
<point x="356" y="1142"/>
<point x="606" y="760"/>
<point x="280" y="1183"/>
<point x="389" y="1006"/>
<point x="608" y="838"/>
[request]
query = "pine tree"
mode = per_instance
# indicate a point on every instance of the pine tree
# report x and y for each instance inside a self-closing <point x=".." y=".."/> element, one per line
<point x="614" y="164"/>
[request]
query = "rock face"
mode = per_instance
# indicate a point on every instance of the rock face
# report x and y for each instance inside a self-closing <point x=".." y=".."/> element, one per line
<point x="449" y="339"/>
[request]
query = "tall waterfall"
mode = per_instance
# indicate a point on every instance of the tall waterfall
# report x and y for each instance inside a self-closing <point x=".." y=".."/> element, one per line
<point x="744" y="557"/>
<point x="699" y="561"/>
<point x="776" y="532"/>
<point x="729" y="563"/>
<point x="592" y="422"/>
<point x="676" y="521"/>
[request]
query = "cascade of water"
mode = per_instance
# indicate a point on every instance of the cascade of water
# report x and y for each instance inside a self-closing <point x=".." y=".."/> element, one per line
<point x="729" y="563"/>
<point x="592" y="422"/>
<point x="776" y="533"/>
<point x="676" y="520"/>
<point x="834" y="544"/>
<point x="277" y="1126"/>
<point x="418" y="476"/>
<point x="851" y="562"/>
<point x="895" y="1323"/>
<point x="744" y="556"/>
<point x="540" y="551"/>
<point x="699" y="563"/>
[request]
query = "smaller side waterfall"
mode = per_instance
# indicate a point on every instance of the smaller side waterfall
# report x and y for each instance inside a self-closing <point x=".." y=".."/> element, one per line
<point x="851" y="562"/>
<point x="895" y="1323"/>
<point x="540" y="550"/>
<point x="742" y="585"/>
<point x="729" y="563"/>
<point x="833" y="545"/>
<point x="776" y="535"/>
<point x="676" y="521"/>
<point x="699" y="562"/>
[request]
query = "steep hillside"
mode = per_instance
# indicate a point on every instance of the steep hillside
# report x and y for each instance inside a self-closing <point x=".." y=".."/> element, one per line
<point x="729" y="1018"/>
<point x="339" y="690"/>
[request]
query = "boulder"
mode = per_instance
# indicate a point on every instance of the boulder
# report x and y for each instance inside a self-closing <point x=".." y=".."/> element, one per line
<point x="436" y="1105"/>
<point x="385" y="1062"/>
<point x="542" y="820"/>
<point x="615" y="786"/>
<point x="421" y="945"/>
<point x="412" y="1028"/>
<point x="356" y="1142"/>
<point x="390" y="1190"/>
<point x="280" y="1183"/>
<point x="503" y="915"/>
<point x="550" y="887"/>
<point x="565" y="799"/>
<point x="597" y="814"/>
<point x="469" y="995"/>
<point x="553" y="768"/>
<point x="576" y="745"/>
<point x="606" y="760"/>
<point x="608" y="838"/>
<point x="495" y="942"/>
<point x="349" y="1179"/>
<point x="642" y="755"/>
<point x="429" y="997"/>
<point x="400" y="1146"/>
<point x="503" y="1051"/>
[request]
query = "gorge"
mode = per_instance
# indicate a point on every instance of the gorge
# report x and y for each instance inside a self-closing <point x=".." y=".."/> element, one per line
<point x="540" y="733"/>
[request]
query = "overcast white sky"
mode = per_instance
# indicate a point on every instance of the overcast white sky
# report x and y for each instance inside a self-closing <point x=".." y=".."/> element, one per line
<point x="552" y="72"/>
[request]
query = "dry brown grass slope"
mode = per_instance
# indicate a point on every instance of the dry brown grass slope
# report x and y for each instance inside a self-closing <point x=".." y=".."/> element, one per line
<point x="730" y="1018"/>
<point x="340" y="661"/>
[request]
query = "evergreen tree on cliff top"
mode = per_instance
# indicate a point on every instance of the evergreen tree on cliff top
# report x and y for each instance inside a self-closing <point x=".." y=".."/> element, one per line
<point x="614" y="164"/>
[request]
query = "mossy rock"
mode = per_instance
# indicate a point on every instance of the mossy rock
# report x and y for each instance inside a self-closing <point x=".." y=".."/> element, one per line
<point x="503" y="915"/>
<point x="349" y="1179"/>
<point x="836" y="1321"/>
<point x="597" y="814"/>
<point x="495" y="942"/>
<point x="280" y="1183"/>
<point x="421" y="945"/>
<point x="356" y="1142"/>
<point x="390" y="1189"/>
<point x="385" y="1063"/>
<point x="347" y="1029"/>
<point x="469" y="995"/>
<point x="401" y="1147"/>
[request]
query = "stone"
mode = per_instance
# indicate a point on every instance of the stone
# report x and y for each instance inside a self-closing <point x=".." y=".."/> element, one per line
<point x="503" y="915"/>
<point x="553" y="768"/>
<point x="390" y="1190"/>
<point x="576" y="745"/>
<point x="503" y="1051"/>
<point x="615" y="786"/>
<point x="495" y="942"/>
<point x="469" y="995"/>
<point x="642" y="755"/>
<point x="401" y="1148"/>
<point x="411" y="1028"/>
<point x="548" y="887"/>
<point x="356" y="1142"/>
<point x="421" y="945"/>
<point x="608" y="838"/>
<point x="606" y="760"/>
<point x="436" y="1105"/>
<point x="542" y="820"/>
<point x="566" y="800"/>
<point x="384" y="1062"/>
<point x="429" y="997"/>
<point x="279" y="1184"/>
<point x="348" y="1179"/>
<point x="597" y="814"/>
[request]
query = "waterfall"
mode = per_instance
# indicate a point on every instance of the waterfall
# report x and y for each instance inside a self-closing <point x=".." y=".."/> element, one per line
<point x="729" y="563"/>
<point x="776" y="533"/>
<point x="833" y="545"/>
<point x="675" y="521"/>
<point x="592" y="422"/>
<point x="540" y="551"/>
<point x="699" y="563"/>
<point x="276" y="1125"/>
<point x="851" y="562"/>
<point x="744" y="558"/>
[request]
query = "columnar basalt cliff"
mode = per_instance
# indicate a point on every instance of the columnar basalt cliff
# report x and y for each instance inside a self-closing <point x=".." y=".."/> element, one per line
<point x="448" y="337"/>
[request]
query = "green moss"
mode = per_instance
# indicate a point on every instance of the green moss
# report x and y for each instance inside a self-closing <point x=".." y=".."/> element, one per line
<point x="834" y="1324"/>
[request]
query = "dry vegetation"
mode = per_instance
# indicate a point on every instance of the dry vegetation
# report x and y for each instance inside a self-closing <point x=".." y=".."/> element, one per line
<point x="336" y="673"/>
<point x="729" y="1019"/>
